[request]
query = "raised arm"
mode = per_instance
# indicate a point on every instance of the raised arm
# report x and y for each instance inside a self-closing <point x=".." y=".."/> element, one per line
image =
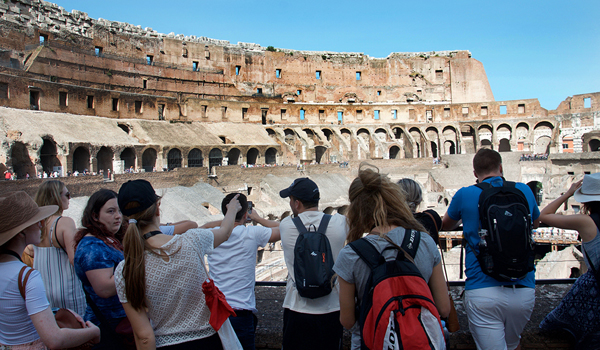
<point x="224" y="231"/>
<point x="582" y="223"/>
<point x="274" y="225"/>
<point x="182" y="226"/>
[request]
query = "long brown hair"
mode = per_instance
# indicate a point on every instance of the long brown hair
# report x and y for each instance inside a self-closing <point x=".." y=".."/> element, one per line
<point x="376" y="201"/>
<point x="49" y="193"/>
<point x="134" y="271"/>
<point x="94" y="227"/>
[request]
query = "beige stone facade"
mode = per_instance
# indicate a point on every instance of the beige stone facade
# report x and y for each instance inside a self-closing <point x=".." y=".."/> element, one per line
<point x="124" y="94"/>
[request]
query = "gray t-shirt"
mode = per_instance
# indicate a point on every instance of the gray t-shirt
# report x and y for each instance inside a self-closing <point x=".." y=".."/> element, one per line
<point x="353" y="270"/>
<point x="592" y="250"/>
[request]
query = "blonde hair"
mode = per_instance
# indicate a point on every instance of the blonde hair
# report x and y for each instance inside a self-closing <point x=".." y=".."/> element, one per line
<point x="134" y="245"/>
<point x="376" y="201"/>
<point x="414" y="194"/>
<point x="49" y="193"/>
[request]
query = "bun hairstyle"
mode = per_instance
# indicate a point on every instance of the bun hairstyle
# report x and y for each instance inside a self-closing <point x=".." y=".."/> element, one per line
<point x="376" y="201"/>
<point x="138" y="199"/>
<point x="413" y="192"/>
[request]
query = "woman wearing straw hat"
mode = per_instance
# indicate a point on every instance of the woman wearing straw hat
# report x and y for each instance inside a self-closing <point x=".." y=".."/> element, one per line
<point x="28" y="323"/>
<point x="579" y="311"/>
<point x="161" y="276"/>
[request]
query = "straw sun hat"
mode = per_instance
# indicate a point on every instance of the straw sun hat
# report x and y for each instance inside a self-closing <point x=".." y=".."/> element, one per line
<point x="18" y="211"/>
<point x="589" y="190"/>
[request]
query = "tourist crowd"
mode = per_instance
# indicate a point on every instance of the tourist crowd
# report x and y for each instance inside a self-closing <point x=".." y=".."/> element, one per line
<point x="527" y="157"/>
<point x="132" y="281"/>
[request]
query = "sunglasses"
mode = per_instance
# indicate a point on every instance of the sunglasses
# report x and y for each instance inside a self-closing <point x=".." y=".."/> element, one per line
<point x="68" y="195"/>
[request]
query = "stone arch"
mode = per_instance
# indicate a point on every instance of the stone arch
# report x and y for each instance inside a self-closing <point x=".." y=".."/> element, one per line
<point x="394" y="152"/>
<point x="81" y="159"/>
<point x="48" y="156"/>
<point x="128" y="158"/>
<point x="364" y="132"/>
<point x="105" y="157"/>
<point x="382" y="134"/>
<point x="195" y="159"/>
<point x="149" y="160"/>
<point x="522" y="134"/>
<point x="434" y="149"/>
<point x="419" y="142"/>
<point x="215" y="158"/>
<point x="174" y="159"/>
<point x="271" y="156"/>
<point x="233" y="156"/>
<point x="594" y="145"/>
<point x="270" y="132"/>
<point x="319" y="153"/>
<point x="290" y="135"/>
<point x="398" y="133"/>
<point x="252" y="156"/>
<point x="504" y="135"/>
<point x="309" y="132"/>
<point x="542" y="133"/>
<point x="346" y="133"/>
<point x="485" y="133"/>
<point x="451" y="140"/>
<point x="328" y="133"/>
<point x="21" y="162"/>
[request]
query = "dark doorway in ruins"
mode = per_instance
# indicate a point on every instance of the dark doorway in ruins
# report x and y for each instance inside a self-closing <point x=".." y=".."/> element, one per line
<point x="149" y="160"/>
<point x="105" y="160"/>
<point x="504" y="146"/>
<point x="434" y="150"/>
<point x="450" y="147"/>
<point x="215" y="158"/>
<point x="48" y="157"/>
<point x="594" y="145"/>
<point x="233" y="156"/>
<point x="128" y="158"/>
<point x="271" y="156"/>
<point x="174" y="159"/>
<point x="537" y="189"/>
<point x="319" y="153"/>
<point x="34" y="100"/>
<point x="486" y="144"/>
<point x="21" y="163"/>
<point x="252" y="156"/>
<point x="264" y="116"/>
<point x="81" y="159"/>
<point x="394" y="151"/>
<point x="195" y="159"/>
<point x="328" y="133"/>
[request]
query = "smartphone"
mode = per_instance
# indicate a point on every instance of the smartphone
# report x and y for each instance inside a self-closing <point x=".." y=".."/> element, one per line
<point x="249" y="210"/>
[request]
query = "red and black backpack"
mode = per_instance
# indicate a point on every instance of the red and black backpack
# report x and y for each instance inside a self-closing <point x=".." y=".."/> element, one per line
<point x="397" y="309"/>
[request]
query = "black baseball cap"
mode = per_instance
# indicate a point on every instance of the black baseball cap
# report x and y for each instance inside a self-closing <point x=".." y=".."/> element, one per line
<point x="302" y="188"/>
<point x="139" y="191"/>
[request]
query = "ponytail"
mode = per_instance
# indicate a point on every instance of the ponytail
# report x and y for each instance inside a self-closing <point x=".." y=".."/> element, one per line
<point x="134" y="270"/>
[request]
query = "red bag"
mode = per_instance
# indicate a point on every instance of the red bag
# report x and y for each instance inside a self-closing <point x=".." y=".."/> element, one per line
<point x="218" y="306"/>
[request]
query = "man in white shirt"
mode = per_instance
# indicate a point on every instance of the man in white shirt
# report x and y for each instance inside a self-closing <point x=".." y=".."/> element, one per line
<point x="232" y="266"/>
<point x="310" y="323"/>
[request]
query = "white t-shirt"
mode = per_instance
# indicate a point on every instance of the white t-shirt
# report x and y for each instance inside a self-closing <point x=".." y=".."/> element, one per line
<point x="16" y="326"/>
<point x="232" y="265"/>
<point x="337" y="231"/>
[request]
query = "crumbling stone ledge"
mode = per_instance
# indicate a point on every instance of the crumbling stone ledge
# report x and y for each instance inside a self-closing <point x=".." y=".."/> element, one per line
<point x="270" y="314"/>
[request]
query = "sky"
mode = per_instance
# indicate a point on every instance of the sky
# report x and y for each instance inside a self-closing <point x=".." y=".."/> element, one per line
<point x="548" y="50"/>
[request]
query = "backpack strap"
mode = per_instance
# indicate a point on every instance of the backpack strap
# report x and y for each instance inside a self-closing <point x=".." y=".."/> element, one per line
<point x="324" y="223"/>
<point x="596" y="219"/>
<point x="411" y="241"/>
<point x="23" y="281"/>
<point x="299" y="225"/>
<point x="366" y="252"/>
<point x="484" y="185"/>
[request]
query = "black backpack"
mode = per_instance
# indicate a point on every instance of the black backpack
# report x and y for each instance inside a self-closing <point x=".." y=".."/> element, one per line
<point x="506" y="246"/>
<point x="313" y="260"/>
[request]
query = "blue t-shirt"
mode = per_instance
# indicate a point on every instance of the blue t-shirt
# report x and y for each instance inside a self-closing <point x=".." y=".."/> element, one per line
<point x="93" y="254"/>
<point x="464" y="206"/>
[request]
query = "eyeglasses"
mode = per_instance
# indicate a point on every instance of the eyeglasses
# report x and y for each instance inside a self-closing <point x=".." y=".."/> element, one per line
<point x="68" y="195"/>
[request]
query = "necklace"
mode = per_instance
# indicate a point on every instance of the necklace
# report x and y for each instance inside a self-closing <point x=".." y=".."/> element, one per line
<point x="151" y="234"/>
